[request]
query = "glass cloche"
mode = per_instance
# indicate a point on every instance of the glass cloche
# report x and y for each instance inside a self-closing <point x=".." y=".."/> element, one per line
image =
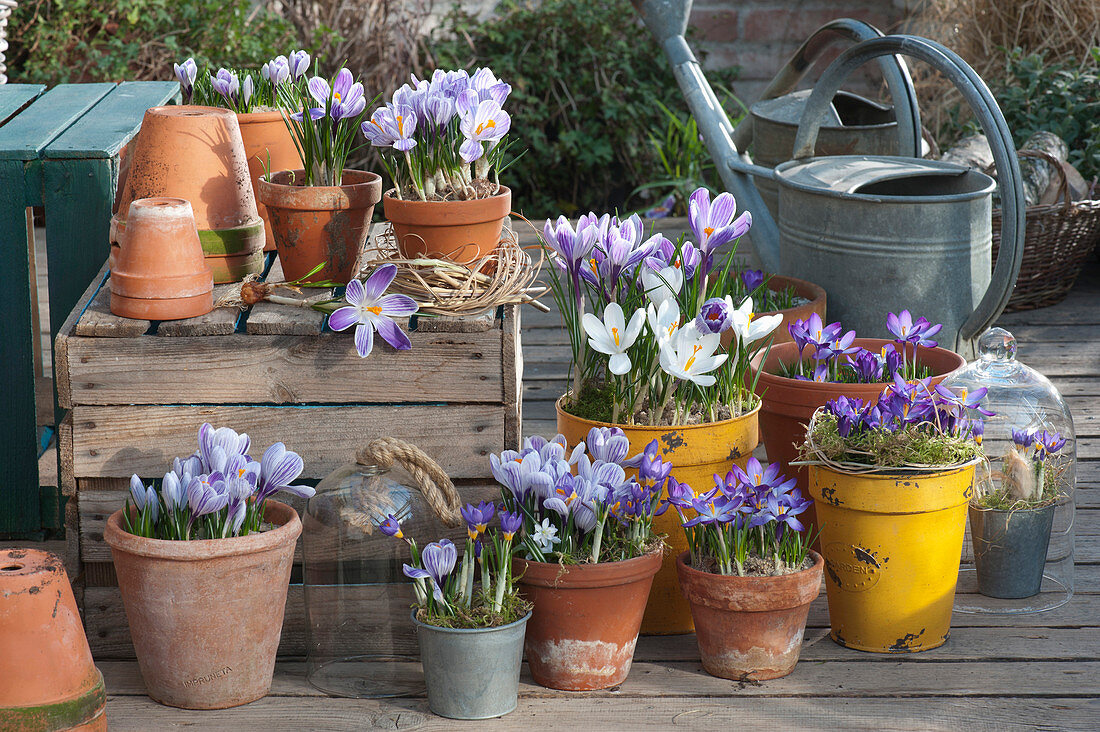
<point x="1025" y="489"/>
<point x="362" y="642"/>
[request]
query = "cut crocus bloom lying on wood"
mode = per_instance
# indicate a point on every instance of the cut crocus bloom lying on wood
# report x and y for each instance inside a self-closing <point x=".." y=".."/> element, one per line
<point x="370" y="310"/>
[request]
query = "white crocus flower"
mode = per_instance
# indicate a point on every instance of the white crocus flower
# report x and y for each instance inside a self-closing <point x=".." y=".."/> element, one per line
<point x="749" y="330"/>
<point x="664" y="319"/>
<point x="663" y="285"/>
<point x="690" y="355"/>
<point x="545" y="535"/>
<point x="613" y="335"/>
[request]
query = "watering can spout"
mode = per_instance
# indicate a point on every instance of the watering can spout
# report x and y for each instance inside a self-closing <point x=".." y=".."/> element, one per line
<point x="664" y="18"/>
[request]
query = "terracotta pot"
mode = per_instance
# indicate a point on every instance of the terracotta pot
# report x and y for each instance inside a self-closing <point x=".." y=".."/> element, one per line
<point x="750" y="627"/>
<point x="461" y="231"/>
<point x="158" y="271"/>
<point x="196" y="153"/>
<point x="205" y="616"/>
<point x="268" y="145"/>
<point x="49" y="681"/>
<point x="697" y="452"/>
<point x="814" y="293"/>
<point x="585" y="621"/>
<point x="788" y="404"/>
<point x="315" y="224"/>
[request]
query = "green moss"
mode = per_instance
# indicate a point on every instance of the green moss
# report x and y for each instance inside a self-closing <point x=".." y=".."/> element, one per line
<point x="912" y="446"/>
<point x="482" y="615"/>
<point x="594" y="403"/>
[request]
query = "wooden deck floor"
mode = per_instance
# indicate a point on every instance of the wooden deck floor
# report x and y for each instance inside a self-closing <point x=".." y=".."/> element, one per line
<point x="995" y="672"/>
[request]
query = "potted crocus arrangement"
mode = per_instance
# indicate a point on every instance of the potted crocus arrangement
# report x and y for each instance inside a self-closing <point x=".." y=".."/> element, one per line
<point x="321" y="212"/>
<point x="587" y="552"/>
<point x="470" y="620"/>
<point x="443" y="142"/>
<point x="1010" y="523"/>
<point x="203" y="640"/>
<point x="646" y="318"/>
<point x="748" y="573"/>
<point x="891" y="481"/>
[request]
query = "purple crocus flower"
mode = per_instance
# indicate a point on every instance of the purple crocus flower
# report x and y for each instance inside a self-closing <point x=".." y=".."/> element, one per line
<point x="172" y="491"/>
<point x="892" y="360"/>
<point x="488" y="87"/>
<point x="205" y="495"/>
<point x="712" y="222"/>
<point x="510" y="523"/>
<point x="278" y="467"/>
<point x="488" y="123"/>
<point x="224" y="438"/>
<point x="755" y="475"/>
<point x="963" y="399"/>
<point x="1047" y="443"/>
<point x="227" y="84"/>
<point x="299" y="64"/>
<point x="866" y="365"/>
<point x="708" y="512"/>
<point x="652" y="469"/>
<point x="144" y="497"/>
<point x="1024" y="438"/>
<point x="344" y="99"/>
<point x="391" y="527"/>
<point x="905" y="330"/>
<point x="839" y="345"/>
<point x="371" y="310"/>
<point x="277" y="70"/>
<point x="716" y="316"/>
<point x="477" y="517"/>
<point x="607" y="444"/>
<point x="439" y="561"/>
<point x="680" y="494"/>
<point x="186" y="73"/>
<point x="752" y="278"/>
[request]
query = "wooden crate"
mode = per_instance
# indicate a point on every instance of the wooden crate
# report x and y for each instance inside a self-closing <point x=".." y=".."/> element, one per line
<point x="137" y="393"/>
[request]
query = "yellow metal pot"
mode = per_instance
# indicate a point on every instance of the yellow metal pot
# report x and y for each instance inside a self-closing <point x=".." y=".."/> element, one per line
<point x="892" y="544"/>
<point x="697" y="453"/>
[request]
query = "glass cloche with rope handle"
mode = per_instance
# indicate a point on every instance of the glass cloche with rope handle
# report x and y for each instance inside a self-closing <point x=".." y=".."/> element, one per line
<point x="361" y="641"/>
<point x="1018" y="557"/>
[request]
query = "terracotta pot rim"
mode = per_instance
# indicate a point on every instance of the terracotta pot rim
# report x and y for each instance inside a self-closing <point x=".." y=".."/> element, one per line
<point x="362" y="193"/>
<point x="259" y="117"/>
<point x="290" y="527"/>
<point x="408" y="202"/>
<point x="191" y="110"/>
<point x="654" y="428"/>
<point x="448" y="214"/>
<point x="583" y="576"/>
<point x="803" y="288"/>
<point x="470" y="631"/>
<point x="753" y="584"/>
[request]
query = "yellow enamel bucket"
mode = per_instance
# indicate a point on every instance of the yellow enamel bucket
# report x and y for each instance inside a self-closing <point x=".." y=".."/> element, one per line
<point x="697" y="453"/>
<point x="892" y="544"/>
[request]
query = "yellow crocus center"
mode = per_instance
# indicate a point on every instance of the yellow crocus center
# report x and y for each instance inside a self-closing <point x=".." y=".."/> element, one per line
<point x="400" y="123"/>
<point x="335" y="95"/>
<point x="594" y="264"/>
<point x="485" y="126"/>
<point x="375" y="310"/>
<point x="691" y="361"/>
<point x="708" y="230"/>
<point x="615" y="335"/>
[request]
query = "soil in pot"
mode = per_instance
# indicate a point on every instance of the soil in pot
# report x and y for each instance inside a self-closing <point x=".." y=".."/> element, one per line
<point x="268" y="145"/>
<point x="461" y="231"/>
<point x="320" y="224"/>
<point x="585" y="621"/>
<point x="1010" y="549"/>
<point x="750" y="627"/>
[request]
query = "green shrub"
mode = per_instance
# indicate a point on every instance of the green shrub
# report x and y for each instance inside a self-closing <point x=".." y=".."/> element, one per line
<point x="57" y="41"/>
<point x="586" y="81"/>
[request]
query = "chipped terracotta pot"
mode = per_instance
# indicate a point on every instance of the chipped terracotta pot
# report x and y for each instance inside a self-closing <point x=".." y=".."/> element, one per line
<point x="461" y="231"/>
<point x="47" y="678"/>
<point x="749" y="627"/>
<point x="808" y="290"/>
<point x="158" y="271"/>
<point x="268" y="145"/>
<point x="196" y="153"/>
<point x="206" y="615"/>
<point x="320" y="224"/>
<point x="585" y="620"/>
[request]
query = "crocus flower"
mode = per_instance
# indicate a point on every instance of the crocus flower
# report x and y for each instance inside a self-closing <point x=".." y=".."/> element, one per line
<point x="747" y="328"/>
<point x="343" y="99"/>
<point x="204" y="497"/>
<point x="712" y="222"/>
<point x="690" y="355"/>
<point x="716" y="315"/>
<point x="299" y="64"/>
<point x="1047" y="443"/>
<point x="964" y="398"/>
<point x="144" y="497"/>
<point x="485" y="83"/>
<point x="752" y="278"/>
<point x="755" y="475"/>
<point x="227" y="84"/>
<point x="905" y="330"/>
<point x="186" y="73"/>
<point x="545" y="535"/>
<point x="277" y="70"/>
<point x="841" y="345"/>
<point x="278" y="467"/>
<point x="1024" y="438"/>
<point x="439" y="561"/>
<point x="662" y="209"/>
<point x="570" y="247"/>
<point x="680" y="494"/>
<point x="371" y="310"/>
<point x="867" y="366"/>
<point x="708" y="512"/>
<point x="223" y="437"/>
<point x="613" y="335"/>
<point x="172" y="491"/>
<point x="477" y="517"/>
<point x="652" y="469"/>
<point x="664" y="320"/>
<point x="607" y="444"/>
<point x="510" y="523"/>
<point x="488" y="123"/>
<point x="662" y="285"/>
<point x="391" y="527"/>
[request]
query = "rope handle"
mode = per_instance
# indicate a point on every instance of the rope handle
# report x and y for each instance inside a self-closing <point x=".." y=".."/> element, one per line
<point x="432" y="481"/>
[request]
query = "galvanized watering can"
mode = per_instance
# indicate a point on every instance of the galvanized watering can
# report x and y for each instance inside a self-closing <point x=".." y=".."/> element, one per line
<point x="879" y="232"/>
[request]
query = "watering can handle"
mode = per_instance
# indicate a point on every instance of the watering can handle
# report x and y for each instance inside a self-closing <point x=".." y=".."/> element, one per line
<point x="984" y="106"/>
<point x="894" y="71"/>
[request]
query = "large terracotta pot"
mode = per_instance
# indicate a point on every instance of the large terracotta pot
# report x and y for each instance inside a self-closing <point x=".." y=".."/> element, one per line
<point x="585" y="620"/>
<point x="788" y="404"/>
<point x="196" y="153"/>
<point x="206" y="615"/>
<point x="892" y="543"/>
<point x="814" y="293"/>
<point x="749" y="627"/>
<point x="697" y="453"/>
<point x="47" y="678"/>
<point x="158" y="271"/>
<point x="268" y="145"/>
<point x="320" y="224"/>
<point x="461" y="231"/>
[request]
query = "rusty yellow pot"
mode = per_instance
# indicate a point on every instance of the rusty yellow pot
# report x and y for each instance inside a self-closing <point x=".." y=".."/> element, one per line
<point x="697" y="453"/>
<point x="892" y="544"/>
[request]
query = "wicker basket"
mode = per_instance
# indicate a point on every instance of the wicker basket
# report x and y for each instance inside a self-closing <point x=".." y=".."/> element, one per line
<point x="1058" y="240"/>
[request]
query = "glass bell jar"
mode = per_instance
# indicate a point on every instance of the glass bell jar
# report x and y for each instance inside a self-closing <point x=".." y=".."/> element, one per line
<point x="1018" y="553"/>
<point x="361" y="639"/>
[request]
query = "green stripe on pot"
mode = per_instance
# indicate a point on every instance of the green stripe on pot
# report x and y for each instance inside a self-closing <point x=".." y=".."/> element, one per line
<point x="240" y="240"/>
<point x="63" y="714"/>
<point x="234" y="268"/>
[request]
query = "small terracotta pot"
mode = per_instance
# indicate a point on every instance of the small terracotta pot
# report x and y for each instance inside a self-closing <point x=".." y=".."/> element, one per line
<point x="158" y="271"/>
<point x="49" y="681"/>
<point x="586" y="619"/>
<point x="196" y="153"/>
<point x="268" y="145"/>
<point x="206" y="615"/>
<point x="750" y="627"/>
<point x="320" y="224"/>
<point x="814" y="293"/>
<point x="461" y="231"/>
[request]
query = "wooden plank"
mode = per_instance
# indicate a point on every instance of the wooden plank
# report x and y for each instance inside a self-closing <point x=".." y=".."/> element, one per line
<point x="218" y="322"/>
<point x="440" y="367"/>
<point x="98" y="320"/>
<point x="61" y="341"/>
<point x="474" y="323"/>
<point x="113" y="121"/>
<point x="266" y="318"/>
<point x="513" y="378"/>
<point x="65" y="456"/>
<point x="14" y="97"/>
<point x="119" y="441"/>
<point x="24" y="137"/>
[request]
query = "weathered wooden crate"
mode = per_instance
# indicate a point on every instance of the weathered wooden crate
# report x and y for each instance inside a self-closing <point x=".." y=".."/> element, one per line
<point x="137" y="393"/>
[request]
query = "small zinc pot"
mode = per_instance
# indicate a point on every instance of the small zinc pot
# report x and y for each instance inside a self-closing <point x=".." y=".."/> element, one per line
<point x="697" y="453"/>
<point x="461" y="231"/>
<point x="1010" y="549"/>
<point x="471" y="673"/>
<point x="749" y="627"/>
<point x="268" y="145"/>
<point x="320" y="224"/>
<point x="892" y="544"/>
<point x="206" y="615"/>
<point x="814" y="294"/>
<point x="585" y="621"/>
<point x="47" y="678"/>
